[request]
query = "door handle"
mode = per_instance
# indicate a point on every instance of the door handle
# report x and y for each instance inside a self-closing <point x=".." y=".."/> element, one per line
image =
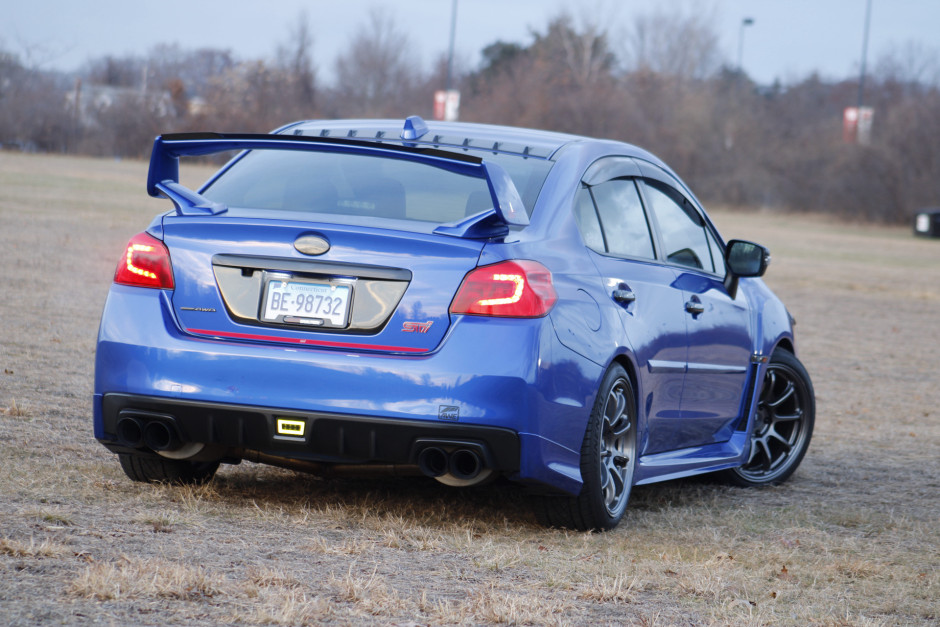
<point x="624" y="296"/>
<point x="694" y="308"/>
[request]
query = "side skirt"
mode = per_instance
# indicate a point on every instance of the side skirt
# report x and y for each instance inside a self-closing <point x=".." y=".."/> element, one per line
<point x="692" y="461"/>
<point x="711" y="457"/>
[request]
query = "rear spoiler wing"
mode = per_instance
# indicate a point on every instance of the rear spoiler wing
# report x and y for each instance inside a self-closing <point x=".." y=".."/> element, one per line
<point x="163" y="177"/>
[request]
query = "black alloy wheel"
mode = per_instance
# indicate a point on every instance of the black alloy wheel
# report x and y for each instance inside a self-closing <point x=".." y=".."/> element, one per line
<point x="608" y="462"/>
<point x="783" y="424"/>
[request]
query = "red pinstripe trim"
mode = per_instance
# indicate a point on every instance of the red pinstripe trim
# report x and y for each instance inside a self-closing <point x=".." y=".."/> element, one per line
<point x="305" y="342"/>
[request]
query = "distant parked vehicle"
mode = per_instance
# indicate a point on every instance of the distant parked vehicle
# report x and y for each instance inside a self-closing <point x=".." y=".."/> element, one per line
<point x="467" y="300"/>
<point x="927" y="222"/>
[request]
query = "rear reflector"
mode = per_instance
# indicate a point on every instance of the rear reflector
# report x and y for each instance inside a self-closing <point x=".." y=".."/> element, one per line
<point x="512" y="289"/>
<point x="145" y="263"/>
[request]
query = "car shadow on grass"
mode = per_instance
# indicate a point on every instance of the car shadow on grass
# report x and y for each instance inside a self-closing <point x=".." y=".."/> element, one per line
<point x="422" y="501"/>
<point x="417" y="499"/>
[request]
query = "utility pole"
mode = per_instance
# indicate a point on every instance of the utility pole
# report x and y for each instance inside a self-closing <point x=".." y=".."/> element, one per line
<point x="450" y="55"/>
<point x="861" y="78"/>
<point x="447" y="100"/>
<point x="748" y="21"/>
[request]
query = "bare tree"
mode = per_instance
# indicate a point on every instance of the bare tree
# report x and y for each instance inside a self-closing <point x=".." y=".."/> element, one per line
<point x="676" y="41"/>
<point x="295" y="60"/>
<point x="378" y="73"/>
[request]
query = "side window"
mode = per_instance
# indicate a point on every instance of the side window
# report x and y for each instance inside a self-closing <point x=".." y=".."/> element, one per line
<point x="623" y="220"/>
<point x="684" y="234"/>
<point x="588" y="224"/>
<point x="718" y="256"/>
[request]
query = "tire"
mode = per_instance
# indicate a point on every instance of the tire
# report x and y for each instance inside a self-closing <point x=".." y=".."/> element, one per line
<point x="783" y="426"/>
<point x="608" y="461"/>
<point x="152" y="470"/>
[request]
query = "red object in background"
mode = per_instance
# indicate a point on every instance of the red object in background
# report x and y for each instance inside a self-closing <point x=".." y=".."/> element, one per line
<point x="856" y="125"/>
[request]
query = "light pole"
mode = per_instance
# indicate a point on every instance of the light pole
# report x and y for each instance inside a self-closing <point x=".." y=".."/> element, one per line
<point x="748" y="21"/>
<point x="861" y="78"/>
<point x="450" y="55"/>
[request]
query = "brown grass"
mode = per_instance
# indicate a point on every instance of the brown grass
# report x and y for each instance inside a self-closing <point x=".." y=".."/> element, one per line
<point x="20" y="410"/>
<point x="852" y="539"/>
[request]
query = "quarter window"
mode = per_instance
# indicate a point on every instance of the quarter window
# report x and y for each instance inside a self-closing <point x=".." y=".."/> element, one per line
<point x="623" y="220"/>
<point x="588" y="223"/>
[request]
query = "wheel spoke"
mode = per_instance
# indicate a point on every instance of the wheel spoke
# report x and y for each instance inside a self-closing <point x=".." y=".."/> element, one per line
<point x="785" y="441"/>
<point x="605" y="477"/>
<point x="619" y="429"/>
<point x="770" y="382"/>
<point x="616" y="408"/>
<point x="787" y="393"/>
<point x="796" y="415"/>
<point x="612" y="485"/>
<point x="752" y="454"/>
<point x="768" y="456"/>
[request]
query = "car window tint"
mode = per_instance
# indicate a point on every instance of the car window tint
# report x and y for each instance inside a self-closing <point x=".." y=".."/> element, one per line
<point x="626" y="230"/>
<point x="718" y="257"/>
<point x="588" y="224"/>
<point x="682" y="229"/>
<point x="362" y="185"/>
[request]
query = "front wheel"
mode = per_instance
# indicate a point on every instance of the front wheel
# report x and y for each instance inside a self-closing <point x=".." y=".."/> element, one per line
<point x="608" y="461"/>
<point x="783" y="424"/>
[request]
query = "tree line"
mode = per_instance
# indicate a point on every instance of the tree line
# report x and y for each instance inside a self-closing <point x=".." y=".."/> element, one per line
<point x="663" y="85"/>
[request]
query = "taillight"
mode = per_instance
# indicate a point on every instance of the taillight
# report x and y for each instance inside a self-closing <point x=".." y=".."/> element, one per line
<point x="145" y="263"/>
<point x="514" y="289"/>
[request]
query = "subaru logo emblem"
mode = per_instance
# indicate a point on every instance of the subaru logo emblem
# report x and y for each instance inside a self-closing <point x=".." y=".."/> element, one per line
<point x="311" y="244"/>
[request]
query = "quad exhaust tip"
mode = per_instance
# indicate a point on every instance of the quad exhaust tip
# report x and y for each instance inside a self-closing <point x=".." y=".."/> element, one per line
<point x="157" y="435"/>
<point x="160" y="437"/>
<point x="433" y="461"/>
<point x="465" y="464"/>
<point x="130" y="432"/>
<point x="456" y="464"/>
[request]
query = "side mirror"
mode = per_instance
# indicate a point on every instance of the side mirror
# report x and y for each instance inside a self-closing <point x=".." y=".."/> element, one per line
<point x="744" y="259"/>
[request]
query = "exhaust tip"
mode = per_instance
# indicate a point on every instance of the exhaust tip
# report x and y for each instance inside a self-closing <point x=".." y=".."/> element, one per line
<point x="160" y="436"/>
<point x="130" y="432"/>
<point x="432" y="461"/>
<point x="465" y="464"/>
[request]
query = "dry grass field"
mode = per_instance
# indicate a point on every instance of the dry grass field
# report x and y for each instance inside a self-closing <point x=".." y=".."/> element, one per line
<point x="852" y="539"/>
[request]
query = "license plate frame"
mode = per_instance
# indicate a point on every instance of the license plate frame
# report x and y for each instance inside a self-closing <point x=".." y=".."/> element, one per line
<point x="281" y="303"/>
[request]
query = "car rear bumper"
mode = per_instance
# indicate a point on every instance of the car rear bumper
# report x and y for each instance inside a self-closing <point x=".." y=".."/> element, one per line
<point x="338" y="438"/>
<point x="508" y="384"/>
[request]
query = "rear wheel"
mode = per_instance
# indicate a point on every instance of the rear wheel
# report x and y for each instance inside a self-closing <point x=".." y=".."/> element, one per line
<point x="783" y="427"/>
<point x="163" y="470"/>
<point x="608" y="461"/>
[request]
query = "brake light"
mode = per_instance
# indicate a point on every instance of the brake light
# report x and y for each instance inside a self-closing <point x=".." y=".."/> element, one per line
<point x="145" y="263"/>
<point x="514" y="289"/>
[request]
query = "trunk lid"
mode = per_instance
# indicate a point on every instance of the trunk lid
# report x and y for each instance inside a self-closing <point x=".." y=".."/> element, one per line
<point x="374" y="289"/>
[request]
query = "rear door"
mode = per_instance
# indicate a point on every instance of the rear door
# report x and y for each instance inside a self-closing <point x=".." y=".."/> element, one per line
<point x="615" y="228"/>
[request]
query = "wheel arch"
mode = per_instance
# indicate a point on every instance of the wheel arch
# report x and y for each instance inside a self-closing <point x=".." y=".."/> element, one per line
<point x="771" y="323"/>
<point x="786" y="343"/>
<point x="627" y="364"/>
<point x="626" y="361"/>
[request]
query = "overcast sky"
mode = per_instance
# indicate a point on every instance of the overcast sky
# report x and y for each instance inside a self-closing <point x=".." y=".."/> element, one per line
<point x="788" y="40"/>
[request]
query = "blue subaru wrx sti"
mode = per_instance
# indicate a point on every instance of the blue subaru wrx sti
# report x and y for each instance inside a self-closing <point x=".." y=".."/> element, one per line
<point x="465" y="300"/>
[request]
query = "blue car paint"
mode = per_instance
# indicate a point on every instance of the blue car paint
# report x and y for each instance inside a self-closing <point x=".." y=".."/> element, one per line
<point x="508" y="389"/>
<point x="537" y="377"/>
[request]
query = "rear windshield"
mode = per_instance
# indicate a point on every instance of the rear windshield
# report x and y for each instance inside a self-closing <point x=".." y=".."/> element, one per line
<point x="363" y="185"/>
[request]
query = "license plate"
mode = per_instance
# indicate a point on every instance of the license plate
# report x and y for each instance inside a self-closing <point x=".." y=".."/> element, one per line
<point x="306" y="303"/>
